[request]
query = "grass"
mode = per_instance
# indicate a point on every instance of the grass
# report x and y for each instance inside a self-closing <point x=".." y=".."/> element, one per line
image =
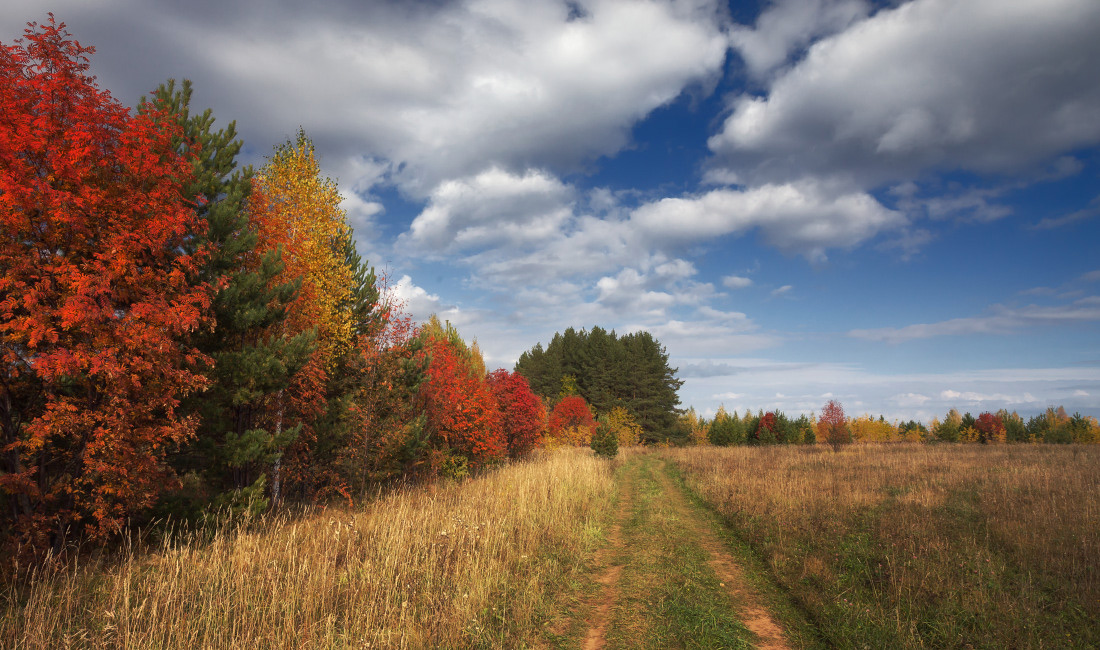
<point x="668" y="595"/>
<point x="477" y="564"/>
<point x="915" y="546"/>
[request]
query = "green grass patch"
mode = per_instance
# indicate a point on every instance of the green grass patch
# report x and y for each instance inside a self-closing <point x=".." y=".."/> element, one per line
<point x="669" y="597"/>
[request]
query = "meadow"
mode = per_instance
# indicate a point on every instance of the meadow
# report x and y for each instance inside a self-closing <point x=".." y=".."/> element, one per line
<point x="471" y="564"/>
<point x="878" y="545"/>
<point x="906" y="545"/>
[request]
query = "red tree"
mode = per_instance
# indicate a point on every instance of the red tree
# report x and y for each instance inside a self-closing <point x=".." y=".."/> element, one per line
<point x="990" y="427"/>
<point x="834" y="425"/>
<point x="94" y="294"/>
<point x="461" y="412"/>
<point x="765" y="429"/>
<point x="522" y="413"/>
<point x="571" y="421"/>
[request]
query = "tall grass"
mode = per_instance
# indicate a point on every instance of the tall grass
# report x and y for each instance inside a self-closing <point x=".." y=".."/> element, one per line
<point x="910" y="546"/>
<point x="471" y="564"/>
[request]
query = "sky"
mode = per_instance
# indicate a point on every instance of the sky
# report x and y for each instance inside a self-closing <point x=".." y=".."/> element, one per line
<point x="891" y="204"/>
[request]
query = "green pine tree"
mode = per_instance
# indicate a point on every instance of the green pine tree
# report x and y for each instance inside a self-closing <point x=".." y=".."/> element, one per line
<point x="252" y="361"/>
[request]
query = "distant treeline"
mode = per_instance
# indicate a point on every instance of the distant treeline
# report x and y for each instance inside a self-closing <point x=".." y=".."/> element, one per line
<point x="774" y="427"/>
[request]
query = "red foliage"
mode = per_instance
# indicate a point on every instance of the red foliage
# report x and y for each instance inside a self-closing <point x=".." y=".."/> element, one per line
<point x="523" y="415"/>
<point x="767" y="423"/>
<point x="94" y="294"/>
<point x="461" y="411"/>
<point x="990" y="427"/>
<point x="834" y="424"/>
<point x="572" y="414"/>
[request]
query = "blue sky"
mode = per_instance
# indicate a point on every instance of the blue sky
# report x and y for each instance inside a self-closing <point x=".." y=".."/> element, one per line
<point x="893" y="204"/>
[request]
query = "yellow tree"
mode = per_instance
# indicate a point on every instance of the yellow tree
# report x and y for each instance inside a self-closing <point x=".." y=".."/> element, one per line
<point x="304" y="217"/>
<point x="625" y="426"/>
<point x="299" y="212"/>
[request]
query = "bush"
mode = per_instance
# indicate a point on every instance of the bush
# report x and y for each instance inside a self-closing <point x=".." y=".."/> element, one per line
<point x="605" y="441"/>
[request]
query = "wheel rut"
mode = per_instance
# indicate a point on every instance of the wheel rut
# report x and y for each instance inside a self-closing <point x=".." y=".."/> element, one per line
<point x="596" y="637"/>
<point x="754" y="614"/>
<point x="601" y="614"/>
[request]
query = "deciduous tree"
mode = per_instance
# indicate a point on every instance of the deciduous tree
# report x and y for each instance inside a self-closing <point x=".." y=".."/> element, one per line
<point x="96" y="295"/>
<point x="523" y="414"/>
<point x="571" y="421"/>
<point x="462" y="416"/>
<point x="833" y="425"/>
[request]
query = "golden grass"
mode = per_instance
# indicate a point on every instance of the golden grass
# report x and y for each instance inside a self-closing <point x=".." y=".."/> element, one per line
<point x="471" y="564"/>
<point x="909" y="545"/>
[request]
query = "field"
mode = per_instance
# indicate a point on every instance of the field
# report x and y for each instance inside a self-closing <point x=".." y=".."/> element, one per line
<point x="920" y="546"/>
<point x="473" y="564"/>
<point x="875" y="546"/>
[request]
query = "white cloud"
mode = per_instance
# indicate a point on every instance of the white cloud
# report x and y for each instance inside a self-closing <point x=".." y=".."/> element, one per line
<point x="789" y="25"/>
<point x="418" y="303"/>
<point x="736" y="282"/>
<point x="493" y="208"/>
<point x="636" y="292"/>
<point x="436" y="90"/>
<point x="910" y="399"/>
<point x="804" y="218"/>
<point x="983" y="85"/>
<point x="974" y="398"/>
<point x="780" y="291"/>
<point x="1002" y="320"/>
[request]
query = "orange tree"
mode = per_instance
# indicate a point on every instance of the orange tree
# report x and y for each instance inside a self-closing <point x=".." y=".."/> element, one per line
<point x="95" y="296"/>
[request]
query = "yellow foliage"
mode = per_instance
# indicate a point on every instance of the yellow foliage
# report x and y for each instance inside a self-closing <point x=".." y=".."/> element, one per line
<point x="867" y="429"/>
<point x="969" y="434"/>
<point x="305" y="218"/>
<point x="575" y="436"/>
<point x="626" y="428"/>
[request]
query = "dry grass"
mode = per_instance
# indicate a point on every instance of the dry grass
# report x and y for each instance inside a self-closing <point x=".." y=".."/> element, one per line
<point x="472" y="564"/>
<point x="909" y="546"/>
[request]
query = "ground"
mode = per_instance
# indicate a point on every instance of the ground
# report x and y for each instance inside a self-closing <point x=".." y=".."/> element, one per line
<point x="672" y="575"/>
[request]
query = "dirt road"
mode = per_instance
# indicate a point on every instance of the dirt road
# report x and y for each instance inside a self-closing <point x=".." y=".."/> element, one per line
<point x="667" y="579"/>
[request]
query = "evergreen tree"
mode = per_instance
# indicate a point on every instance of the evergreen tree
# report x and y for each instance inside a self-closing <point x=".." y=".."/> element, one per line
<point x="252" y="360"/>
<point x="609" y="371"/>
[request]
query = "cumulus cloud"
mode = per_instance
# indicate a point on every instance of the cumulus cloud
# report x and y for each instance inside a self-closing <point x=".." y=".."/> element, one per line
<point x="493" y="208"/>
<point x="983" y="85"/>
<point x="803" y="218"/>
<point x="418" y="303"/>
<point x="788" y="26"/>
<point x="653" y="293"/>
<point x="438" y="89"/>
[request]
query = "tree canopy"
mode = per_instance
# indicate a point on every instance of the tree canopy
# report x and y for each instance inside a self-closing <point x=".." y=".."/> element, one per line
<point x="608" y="371"/>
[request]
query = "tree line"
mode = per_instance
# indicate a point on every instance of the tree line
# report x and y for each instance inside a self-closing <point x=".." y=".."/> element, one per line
<point x="832" y="426"/>
<point x="179" y="334"/>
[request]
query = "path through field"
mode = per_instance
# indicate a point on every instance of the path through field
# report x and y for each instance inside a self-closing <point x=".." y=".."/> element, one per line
<point x="667" y="579"/>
